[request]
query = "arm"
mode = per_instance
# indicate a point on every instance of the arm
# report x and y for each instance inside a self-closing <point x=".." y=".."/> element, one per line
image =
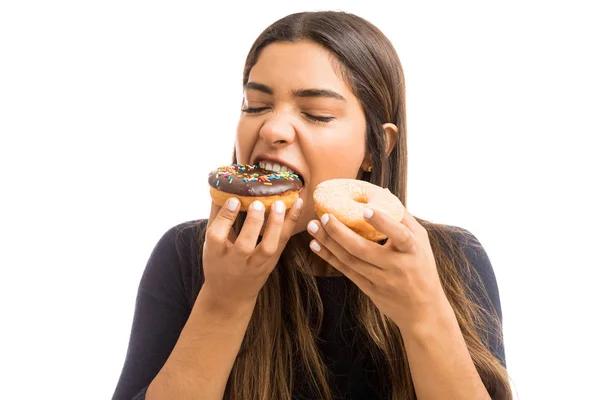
<point x="156" y="326"/>
<point x="200" y="364"/>
<point x="169" y="327"/>
<point x="209" y="337"/>
<point x="402" y="280"/>
<point x="438" y="361"/>
<point x="234" y="273"/>
<point x="179" y="347"/>
<point x="161" y="309"/>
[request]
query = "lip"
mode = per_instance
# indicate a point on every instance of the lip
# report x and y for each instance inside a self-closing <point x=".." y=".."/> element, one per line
<point x="273" y="159"/>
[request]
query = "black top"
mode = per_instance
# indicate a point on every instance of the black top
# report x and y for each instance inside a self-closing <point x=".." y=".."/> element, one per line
<point x="168" y="290"/>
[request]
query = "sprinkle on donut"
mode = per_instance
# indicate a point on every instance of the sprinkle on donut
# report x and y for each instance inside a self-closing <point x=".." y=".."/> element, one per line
<point x="253" y="181"/>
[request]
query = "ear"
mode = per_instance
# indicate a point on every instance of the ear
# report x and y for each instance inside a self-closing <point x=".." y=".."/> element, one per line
<point x="391" y="136"/>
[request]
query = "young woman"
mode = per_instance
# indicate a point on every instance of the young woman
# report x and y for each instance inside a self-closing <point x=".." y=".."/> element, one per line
<point x="271" y="304"/>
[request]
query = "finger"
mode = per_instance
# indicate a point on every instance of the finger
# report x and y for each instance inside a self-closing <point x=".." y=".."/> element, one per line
<point x="399" y="235"/>
<point x="340" y="239"/>
<point x="290" y="222"/>
<point x="359" y="279"/>
<point x="246" y="240"/>
<point x="218" y="231"/>
<point x="214" y="211"/>
<point x="343" y="254"/>
<point x="270" y="240"/>
<point x="415" y="227"/>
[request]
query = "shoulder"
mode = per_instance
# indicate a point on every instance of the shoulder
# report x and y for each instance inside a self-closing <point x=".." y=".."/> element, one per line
<point x="477" y="279"/>
<point x="474" y="252"/>
<point x="472" y="262"/>
<point x="481" y="287"/>
<point x="183" y="236"/>
<point x="470" y="245"/>
<point x="173" y="268"/>
<point x="479" y="273"/>
<point x="453" y="238"/>
<point x="184" y="230"/>
<point x="179" y="241"/>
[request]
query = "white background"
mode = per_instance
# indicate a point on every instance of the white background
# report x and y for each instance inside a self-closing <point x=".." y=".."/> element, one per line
<point x="113" y="112"/>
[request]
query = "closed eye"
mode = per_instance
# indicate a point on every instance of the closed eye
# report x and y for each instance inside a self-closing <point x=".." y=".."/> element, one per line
<point x="315" y="118"/>
<point x="251" y="110"/>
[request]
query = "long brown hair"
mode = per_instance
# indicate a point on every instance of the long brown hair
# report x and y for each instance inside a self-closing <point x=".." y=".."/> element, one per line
<point x="281" y="340"/>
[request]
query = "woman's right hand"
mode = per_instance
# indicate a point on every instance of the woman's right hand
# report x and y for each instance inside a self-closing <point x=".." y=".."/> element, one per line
<point x="236" y="268"/>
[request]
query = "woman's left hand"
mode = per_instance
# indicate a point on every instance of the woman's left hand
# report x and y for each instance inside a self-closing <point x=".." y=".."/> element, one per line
<point x="400" y="276"/>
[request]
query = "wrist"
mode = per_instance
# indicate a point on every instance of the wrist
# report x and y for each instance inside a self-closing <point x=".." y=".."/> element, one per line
<point x="437" y="319"/>
<point x="221" y="304"/>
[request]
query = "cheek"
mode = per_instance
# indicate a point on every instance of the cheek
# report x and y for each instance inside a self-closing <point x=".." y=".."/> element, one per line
<point x="340" y="155"/>
<point x="244" y="140"/>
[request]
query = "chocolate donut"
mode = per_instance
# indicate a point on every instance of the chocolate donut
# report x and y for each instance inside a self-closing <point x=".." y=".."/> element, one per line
<point x="251" y="182"/>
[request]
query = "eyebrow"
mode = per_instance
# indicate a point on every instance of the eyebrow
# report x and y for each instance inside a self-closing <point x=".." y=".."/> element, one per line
<point x="326" y="93"/>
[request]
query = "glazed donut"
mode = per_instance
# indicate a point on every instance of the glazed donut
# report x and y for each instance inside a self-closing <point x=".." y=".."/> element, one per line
<point x="250" y="182"/>
<point x="347" y="199"/>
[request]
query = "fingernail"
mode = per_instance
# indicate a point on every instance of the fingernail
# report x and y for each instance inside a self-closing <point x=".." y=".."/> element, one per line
<point x="298" y="203"/>
<point x="324" y="219"/>
<point x="368" y="213"/>
<point x="279" y="206"/>
<point x="315" y="246"/>
<point x="312" y="227"/>
<point x="232" y="204"/>
<point x="257" y="205"/>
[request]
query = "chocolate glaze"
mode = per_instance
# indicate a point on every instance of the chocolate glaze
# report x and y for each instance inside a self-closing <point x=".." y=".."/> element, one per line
<point x="251" y="180"/>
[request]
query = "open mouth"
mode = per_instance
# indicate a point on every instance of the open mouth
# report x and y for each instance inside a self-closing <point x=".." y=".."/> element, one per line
<point x="276" y="167"/>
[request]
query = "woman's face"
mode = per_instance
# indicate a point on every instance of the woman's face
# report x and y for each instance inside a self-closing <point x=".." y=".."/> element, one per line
<point x="300" y="114"/>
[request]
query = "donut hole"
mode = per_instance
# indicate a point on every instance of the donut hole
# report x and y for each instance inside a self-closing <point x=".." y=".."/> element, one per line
<point x="361" y="199"/>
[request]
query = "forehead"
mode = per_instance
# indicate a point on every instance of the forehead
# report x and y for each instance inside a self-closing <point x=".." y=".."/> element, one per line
<point x="287" y="66"/>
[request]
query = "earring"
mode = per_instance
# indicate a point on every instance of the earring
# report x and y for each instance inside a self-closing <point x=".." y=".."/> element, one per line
<point x="370" y="169"/>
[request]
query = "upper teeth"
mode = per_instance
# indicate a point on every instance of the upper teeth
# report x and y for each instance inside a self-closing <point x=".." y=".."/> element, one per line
<point x="274" y="167"/>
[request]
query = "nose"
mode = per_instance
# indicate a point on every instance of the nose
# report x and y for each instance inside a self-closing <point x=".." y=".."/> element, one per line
<point x="277" y="131"/>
